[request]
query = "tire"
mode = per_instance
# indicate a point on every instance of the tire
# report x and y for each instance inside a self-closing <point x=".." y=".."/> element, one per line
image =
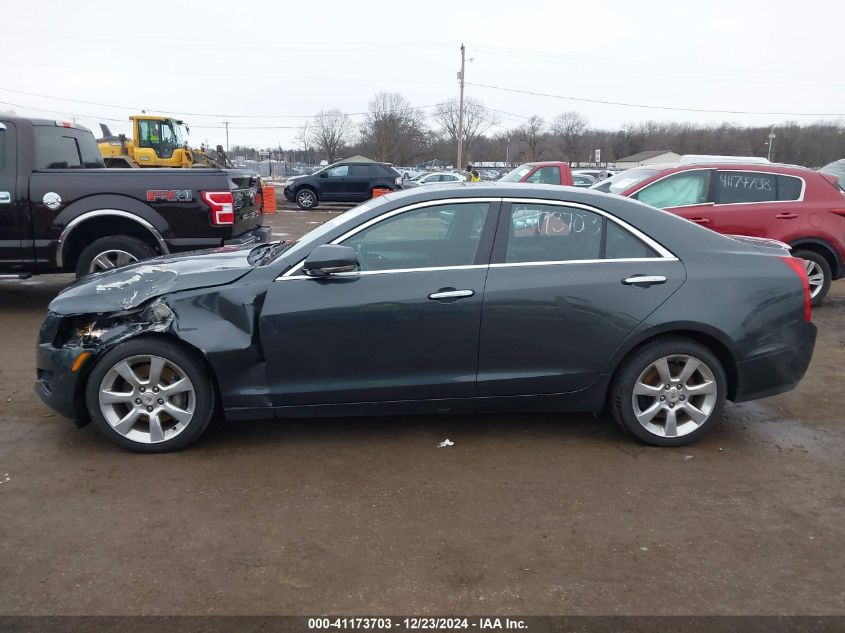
<point x="192" y="402"/>
<point x="694" y="412"/>
<point x="119" y="250"/>
<point x="306" y="198"/>
<point x="818" y="271"/>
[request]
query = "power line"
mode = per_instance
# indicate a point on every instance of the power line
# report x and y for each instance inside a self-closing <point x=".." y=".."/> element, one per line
<point x="204" y="114"/>
<point x="653" y="107"/>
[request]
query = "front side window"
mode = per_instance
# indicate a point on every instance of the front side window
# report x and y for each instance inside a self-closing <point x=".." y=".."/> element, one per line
<point x="340" y="171"/>
<point x="678" y="190"/>
<point x="545" y="176"/>
<point x="435" y="236"/>
<point x="551" y="233"/>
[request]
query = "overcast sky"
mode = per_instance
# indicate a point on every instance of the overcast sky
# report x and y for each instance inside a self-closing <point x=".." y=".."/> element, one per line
<point x="216" y="61"/>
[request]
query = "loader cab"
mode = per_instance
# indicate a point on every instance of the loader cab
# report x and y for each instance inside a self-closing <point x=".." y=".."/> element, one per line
<point x="159" y="142"/>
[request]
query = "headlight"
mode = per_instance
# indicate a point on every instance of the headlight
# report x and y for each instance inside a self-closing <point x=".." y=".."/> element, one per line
<point x="398" y="180"/>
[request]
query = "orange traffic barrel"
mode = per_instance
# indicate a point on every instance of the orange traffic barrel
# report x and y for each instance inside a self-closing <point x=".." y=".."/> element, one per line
<point x="380" y="192"/>
<point x="269" y="195"/>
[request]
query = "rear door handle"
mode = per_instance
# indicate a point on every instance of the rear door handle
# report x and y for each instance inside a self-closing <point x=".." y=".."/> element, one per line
<point x="644" y="280"/>
<point x="450" y="294"/>
<point x="786" y="216"/>
<point x="5" y="197"/>
<point x="701" y="220"/>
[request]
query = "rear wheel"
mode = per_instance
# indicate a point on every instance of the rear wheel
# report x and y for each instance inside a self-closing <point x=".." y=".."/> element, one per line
<point x="149" y="395"/>
<point x="112" y="252"/>
<point x="669" y="392"/>
<point x="818" y="274"/>
<point x="306" y="199"/>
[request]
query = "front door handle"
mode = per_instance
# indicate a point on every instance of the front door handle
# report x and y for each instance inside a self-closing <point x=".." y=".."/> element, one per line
<point x="440" y="295"/>
<point x="5" y="197"/>
<point x="701" y="220"/>
<point x="786" y="216"/>
<point x="644" y="281"/>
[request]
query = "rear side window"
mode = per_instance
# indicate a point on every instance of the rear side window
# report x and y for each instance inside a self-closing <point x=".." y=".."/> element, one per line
<point x="2" y="149"/>
<point x="64" y="148"/>
<point x="744" y="187"/>
<point x="550" y="233"/>
<point x="360" y="171"/>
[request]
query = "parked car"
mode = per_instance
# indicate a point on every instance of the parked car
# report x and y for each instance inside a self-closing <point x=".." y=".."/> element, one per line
<point x="836" y="168"/>
<point x="545" y="173"/>
<point x="435" y="177"/>
<point x="62" y="211"/>
<point x="341" y="182"/>
<point x="800" y="207"/>
<point x="437" y="299"/>
<point x="583" y="180"/>
<point x="598" y="174"/>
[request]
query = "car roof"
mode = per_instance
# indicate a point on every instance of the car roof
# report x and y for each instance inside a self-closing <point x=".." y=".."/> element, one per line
<point x="780" y="168"/>
<point x="51" y="122"/>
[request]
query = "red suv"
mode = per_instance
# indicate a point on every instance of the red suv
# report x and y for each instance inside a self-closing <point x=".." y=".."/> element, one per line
<point x="795" y="205"/>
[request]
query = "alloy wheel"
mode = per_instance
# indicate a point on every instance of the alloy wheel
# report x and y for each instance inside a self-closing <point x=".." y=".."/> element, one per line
<point x="815" y="277"/>
<point x="674" y="395"/>
<point x="111" y="259"/>
<point x="147" y="399"/>
<point x="306" y="199"/>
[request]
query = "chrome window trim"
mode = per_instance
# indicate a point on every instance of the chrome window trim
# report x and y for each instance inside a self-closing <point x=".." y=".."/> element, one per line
<point x="626" y="260"/>
<point x="377" y="219"/>
<point x="101" y="213"/>
<point x="664" y="253"/>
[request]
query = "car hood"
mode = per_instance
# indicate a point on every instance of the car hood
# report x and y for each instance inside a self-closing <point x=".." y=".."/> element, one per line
<point x="130" y="286"/>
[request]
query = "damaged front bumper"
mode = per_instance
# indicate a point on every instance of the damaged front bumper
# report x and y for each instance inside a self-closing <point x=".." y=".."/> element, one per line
<point x="68" y="347"/>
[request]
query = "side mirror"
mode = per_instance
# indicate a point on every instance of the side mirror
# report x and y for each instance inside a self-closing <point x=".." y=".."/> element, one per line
<point x="328" y="259"/>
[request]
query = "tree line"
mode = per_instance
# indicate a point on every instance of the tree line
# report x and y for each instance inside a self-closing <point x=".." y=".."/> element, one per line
<point x="396" y="132"/>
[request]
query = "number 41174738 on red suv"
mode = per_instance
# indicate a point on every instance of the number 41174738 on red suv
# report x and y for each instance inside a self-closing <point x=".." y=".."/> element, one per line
<point x="795" y="205"/>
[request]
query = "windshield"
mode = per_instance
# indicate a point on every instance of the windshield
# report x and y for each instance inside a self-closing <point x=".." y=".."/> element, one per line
<point x="625" y="180"/>
<point x="181" y="133"/>
<point x="516" y="175"/>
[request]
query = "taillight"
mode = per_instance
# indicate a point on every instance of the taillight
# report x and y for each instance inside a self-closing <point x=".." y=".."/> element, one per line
<point x="800" y="269"/>
<point x="222" y="205"/>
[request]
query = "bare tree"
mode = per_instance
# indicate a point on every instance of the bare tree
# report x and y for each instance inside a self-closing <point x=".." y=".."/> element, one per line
<point x="330" y="132"/>
<point x="477" y="121"/>
<point x="570" y="129"/>
<point x="532" y="133"/>
<point x="393" y="131"/>
<point x="303" y="139"/>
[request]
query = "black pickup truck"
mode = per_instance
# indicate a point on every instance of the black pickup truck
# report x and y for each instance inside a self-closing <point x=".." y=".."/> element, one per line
<point x="62" y="211"/>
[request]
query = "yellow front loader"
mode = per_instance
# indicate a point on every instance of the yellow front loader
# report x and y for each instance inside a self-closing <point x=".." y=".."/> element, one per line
<point x="156" y="141"/>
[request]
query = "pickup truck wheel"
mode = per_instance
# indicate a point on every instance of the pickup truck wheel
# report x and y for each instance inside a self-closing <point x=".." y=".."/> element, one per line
<point x="818" y="274"/>
<point x="306" y="199"/>
<point x="111" y="252"/>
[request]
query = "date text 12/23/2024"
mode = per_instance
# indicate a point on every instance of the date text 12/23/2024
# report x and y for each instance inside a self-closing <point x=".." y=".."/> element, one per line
<point x="415" y="623"/>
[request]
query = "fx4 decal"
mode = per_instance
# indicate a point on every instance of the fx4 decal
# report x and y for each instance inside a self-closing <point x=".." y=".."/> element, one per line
<point x="170" y="195"/>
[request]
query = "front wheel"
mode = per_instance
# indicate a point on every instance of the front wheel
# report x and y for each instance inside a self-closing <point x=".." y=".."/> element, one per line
<point x="818" y="274"/>
<point x="306" y="199"/>
<point x="112" y="252"/>
<point x="670" y="392"/>
<point x="150" y="395"/>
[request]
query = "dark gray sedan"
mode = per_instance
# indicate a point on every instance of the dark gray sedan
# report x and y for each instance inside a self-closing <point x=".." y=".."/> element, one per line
<point x="448" y="299"/>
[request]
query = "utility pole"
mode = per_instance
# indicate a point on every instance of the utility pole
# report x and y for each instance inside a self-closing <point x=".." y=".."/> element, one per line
<point x="461" y="110"/>
<point x="771" y="142"/>
<point x="226" y="123"/>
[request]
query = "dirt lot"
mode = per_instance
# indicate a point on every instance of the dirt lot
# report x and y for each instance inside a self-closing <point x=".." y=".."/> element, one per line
<point x="529" y="514"/>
